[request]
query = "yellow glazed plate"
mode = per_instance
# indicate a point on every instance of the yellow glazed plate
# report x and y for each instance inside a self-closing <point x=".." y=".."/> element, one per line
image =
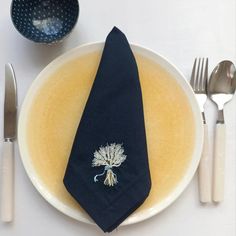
<point x="53" y="107"/>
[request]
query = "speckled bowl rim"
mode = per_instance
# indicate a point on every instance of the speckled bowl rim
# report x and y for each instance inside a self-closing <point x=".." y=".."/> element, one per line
<point x="81" y="216"/>
<point x="59" y="40"/>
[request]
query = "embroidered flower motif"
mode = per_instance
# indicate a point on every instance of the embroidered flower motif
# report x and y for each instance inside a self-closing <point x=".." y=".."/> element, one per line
<point x="109" y="156"/>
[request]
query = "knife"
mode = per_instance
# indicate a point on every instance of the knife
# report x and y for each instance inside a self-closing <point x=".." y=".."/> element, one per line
<point x="10" y="114"/>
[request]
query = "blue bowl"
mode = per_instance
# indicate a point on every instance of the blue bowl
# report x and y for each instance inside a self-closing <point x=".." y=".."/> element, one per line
<point x="44" y="21"/>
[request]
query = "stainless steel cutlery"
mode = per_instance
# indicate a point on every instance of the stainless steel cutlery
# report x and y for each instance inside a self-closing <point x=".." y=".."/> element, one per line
<point x="199" y="80"/>
<point x="220" y="89"/>
<point x="10" y="117"/>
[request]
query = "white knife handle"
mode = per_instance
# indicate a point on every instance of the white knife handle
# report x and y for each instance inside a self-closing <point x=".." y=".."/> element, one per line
<point x="204" y="178"/>
<point x="7" y="182"/>
<point x="219" y="164"/>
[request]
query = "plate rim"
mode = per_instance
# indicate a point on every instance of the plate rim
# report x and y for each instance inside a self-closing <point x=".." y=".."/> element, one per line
<point x="180" y="187"/>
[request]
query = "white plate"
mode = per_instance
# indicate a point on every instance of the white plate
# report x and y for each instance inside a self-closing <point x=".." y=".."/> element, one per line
<point x="24" y="151"/>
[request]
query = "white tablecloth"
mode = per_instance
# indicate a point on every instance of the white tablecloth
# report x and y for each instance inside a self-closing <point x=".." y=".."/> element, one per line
<point x="179" y="30"/>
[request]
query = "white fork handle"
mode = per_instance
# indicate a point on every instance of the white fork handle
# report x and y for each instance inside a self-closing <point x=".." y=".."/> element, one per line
<point x="219" y="164"/>
<point x="7" y="182"/>
<point x="204" y="178"/>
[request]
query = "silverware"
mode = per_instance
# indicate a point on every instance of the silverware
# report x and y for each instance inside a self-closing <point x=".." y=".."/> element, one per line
<point x="198" y="82"/>
<point x="10" y="113"/>
<point x="221" y="89"/>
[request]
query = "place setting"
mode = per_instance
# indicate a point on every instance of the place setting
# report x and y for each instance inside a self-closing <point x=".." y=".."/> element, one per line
<point x="111" y="133"/>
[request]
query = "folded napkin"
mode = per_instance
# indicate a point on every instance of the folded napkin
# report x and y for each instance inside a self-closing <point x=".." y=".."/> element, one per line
<point x="108" y="172"/>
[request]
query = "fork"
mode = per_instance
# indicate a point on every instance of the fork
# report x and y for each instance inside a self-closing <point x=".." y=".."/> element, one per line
<point x="198" y="82"/>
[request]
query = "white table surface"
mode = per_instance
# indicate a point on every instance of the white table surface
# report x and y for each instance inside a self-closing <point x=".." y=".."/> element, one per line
<point x="179" y="30"/>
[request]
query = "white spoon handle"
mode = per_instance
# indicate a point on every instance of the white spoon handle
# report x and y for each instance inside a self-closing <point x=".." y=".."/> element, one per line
<point x="7" y="182"/>
<point x="204" y="178"/>
<point x="219" y="164"/>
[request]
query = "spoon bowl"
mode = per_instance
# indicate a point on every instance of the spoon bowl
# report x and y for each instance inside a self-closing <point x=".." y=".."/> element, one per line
<point x="222" y="83"/>
<point x="44" y="21"/>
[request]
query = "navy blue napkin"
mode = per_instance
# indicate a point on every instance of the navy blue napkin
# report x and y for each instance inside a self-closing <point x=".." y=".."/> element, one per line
<point x="108" y="172"/>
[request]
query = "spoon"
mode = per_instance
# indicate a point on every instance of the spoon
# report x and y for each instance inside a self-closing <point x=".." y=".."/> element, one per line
<point x="222" y="86"/>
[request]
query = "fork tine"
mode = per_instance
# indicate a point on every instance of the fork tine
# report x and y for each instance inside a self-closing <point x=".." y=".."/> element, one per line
<point x="197" y="80"/>
<point x="206" y="76"/>
<point x="201" y="79"/>
<point x="192" y="81"/>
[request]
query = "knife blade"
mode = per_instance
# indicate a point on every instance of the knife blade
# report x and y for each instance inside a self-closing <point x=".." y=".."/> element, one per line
<point x="10" y="114"/>
<point x="10" y="103"/>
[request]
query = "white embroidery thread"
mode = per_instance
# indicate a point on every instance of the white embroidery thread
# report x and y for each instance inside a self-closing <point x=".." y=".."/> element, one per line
<point x="109" y="156"/>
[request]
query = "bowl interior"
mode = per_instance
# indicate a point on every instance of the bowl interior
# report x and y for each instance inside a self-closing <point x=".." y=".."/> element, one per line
<point x="42" y="79"/>
<point x="44" y="21"/>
